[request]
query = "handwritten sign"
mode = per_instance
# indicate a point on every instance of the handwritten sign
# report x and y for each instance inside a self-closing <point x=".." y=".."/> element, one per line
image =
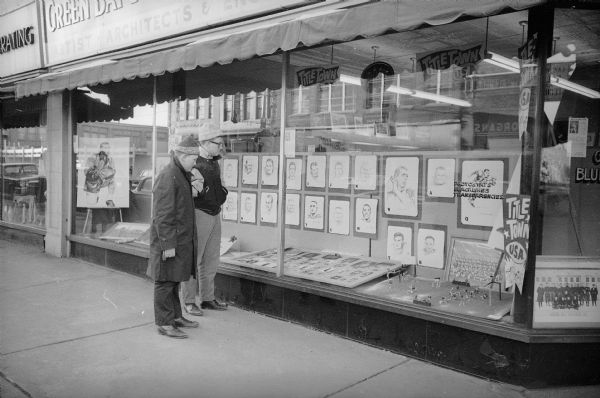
<point x="318" y="75"/>
<point x="516" y="238"/>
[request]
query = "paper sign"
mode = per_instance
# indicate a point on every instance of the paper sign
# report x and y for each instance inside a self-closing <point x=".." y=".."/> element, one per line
<point x="290" y="143"/>
<point x="516" y="238"/>
<point x="578" y="129"/>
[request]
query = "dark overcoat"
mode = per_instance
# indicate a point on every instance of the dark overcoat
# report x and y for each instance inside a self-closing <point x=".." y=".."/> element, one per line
<point x="173" y="225"/>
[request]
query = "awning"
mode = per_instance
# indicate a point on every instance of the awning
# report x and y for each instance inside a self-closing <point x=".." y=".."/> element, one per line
<point x="336" y="26"/>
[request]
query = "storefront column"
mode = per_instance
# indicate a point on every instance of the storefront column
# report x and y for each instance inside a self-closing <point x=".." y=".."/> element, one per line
<point x="58" y="174"/>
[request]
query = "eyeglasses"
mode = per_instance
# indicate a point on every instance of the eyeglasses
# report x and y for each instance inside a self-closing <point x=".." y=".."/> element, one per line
<point x="218" y="143"/>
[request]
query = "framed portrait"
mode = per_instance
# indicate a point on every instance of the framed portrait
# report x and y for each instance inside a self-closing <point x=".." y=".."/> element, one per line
<point x="473" y="262"/>
<point x="440" y="180"/>
<point x="431" y="246"/>
<point x="402" y="186"/>
<point x="400" y="242"/>
<point x="365" y="172"/>
<point x="365" y="217"/>
<point x="339" y="216"/>
<point x="230" y="172"/>
<point x="314" y="212"/>
<point x="248" y="207"/>
<point x="293" y="173"/>
<point x="230" y="207"/>
<point x="315" y="172"/>
<point x="292" y="210"/>
<point x="268" y="208"/>
<point x="269" y="171"/>
<point x="481" y="187"/>
<point x="339" y="172"/>
<point x="250" y="170"/>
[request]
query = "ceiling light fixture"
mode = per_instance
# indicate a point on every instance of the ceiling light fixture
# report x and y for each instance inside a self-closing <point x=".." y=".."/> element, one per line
<point x="574" y="87"/>
<point x="357" y="81"/>
<point x="501" y="62"/>
<point x="429" y="96"/>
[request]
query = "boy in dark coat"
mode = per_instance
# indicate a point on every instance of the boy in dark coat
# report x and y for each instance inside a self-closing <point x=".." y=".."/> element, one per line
<point x="173" y="241"/>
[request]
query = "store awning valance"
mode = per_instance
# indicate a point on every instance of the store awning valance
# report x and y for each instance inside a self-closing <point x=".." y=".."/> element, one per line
<point x="224" y="48"/>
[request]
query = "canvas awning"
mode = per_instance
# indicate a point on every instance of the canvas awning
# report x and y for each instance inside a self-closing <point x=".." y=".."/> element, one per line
<point x="224" y="48"/>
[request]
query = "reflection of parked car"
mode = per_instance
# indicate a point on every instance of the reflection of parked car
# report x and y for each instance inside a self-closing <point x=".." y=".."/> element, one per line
<point x="20" y="179"/>
<point x="140" y="202"/>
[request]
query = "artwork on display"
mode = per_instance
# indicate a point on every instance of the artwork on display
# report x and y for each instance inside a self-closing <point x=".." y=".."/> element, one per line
<point x="293" y="173"/>
<point x="401" y="186"/>
<point x="365" y="172"/>
<point x="125" y="232"/>
<point x="474" y="263"/>
<point x="365" y="217"/>
<point x="103" y="174"/>
<point x="440" y="179"/>
<point x="292" y="210"/>
<point x="250" y="170"/>
<point x="431" y="246"/>
<point x="566" y="294"/>
<point x="315" y="171"/>
<point x="339" y="171"/>
<point x="230" y="172"/>
<point x="248" y="207"/>
<point x="400" y="242"/>
<point x="270" y="170"/>
<point x="339" y="216"/>
<point x="230" y="207"/>
<point x="268" y="207"/>
<point x="480" y="190"/>
<point x="314" y="207"/>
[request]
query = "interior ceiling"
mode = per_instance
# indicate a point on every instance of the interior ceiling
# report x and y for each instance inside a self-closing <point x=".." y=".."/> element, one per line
<point x="578" y="27"/>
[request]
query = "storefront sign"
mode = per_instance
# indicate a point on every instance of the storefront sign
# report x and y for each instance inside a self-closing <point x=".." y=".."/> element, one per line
<point x="516" y="238"/>
<point x="528" y="67"/>
<point x="80" y="28"/>
<point x="589" y="175"/>
<point x="463" y="58"/>
<point x="19" y="41"/>
<point x="318" y="75"/>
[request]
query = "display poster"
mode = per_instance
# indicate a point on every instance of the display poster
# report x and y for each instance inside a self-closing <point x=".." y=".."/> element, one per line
<point x="474" y="263"/>
<point x="365" y="216"/>
<point x="516" y="238"/>
<point x="314" y="207"/>
<point x="230" y="172"/>
<point x="431" y="247"/>
<point x="400" y="243"/>
<point x="365" y="172"/>
<point x="270" y="170"/>
<point x="315" y="171"/>
<point x="292" y="209"/>
<point x="578" y="131"/>
<point x="293" y="174"/>
<point x="103" y="172"/>
<point x="125" y="232"/>
<point x="248" y="207"/>
<point x="250" y="170"/>
<point x="481" y="189"/>
<point x="566" y="294"/>
<point x="401" y="186"/>
<point x="339" y="171"/>
<point x="440" y="178"/>
<point x="230" y="207"/>
<point x="339" y="217"/>
<point x="268" y="207"/>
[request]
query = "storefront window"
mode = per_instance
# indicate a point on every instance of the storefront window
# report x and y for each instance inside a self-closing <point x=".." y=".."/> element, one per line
<point x="568" y="262"/>
<point x="23" y="163"/>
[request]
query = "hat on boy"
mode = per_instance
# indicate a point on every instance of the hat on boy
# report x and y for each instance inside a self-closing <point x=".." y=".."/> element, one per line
<point x="208" y="131"/>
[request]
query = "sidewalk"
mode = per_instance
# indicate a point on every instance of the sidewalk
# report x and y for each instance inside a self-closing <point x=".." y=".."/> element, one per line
<point x="73" y="329"/>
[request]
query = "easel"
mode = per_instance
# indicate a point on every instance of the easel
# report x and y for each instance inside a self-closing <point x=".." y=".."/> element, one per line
<point x="88" y="217"/>
<point x="493" y="281"/>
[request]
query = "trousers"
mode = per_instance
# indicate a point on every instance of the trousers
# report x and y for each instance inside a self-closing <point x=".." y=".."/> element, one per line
<point x="209" y="256"/>
<point x="167" y="306"/>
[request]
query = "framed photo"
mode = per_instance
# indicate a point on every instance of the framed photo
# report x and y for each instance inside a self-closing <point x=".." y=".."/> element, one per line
<point x="431" y="246"/>
<point x="230" y="172"/>
<point x="250" y="170"/>
<point x="566" y="293"/>
<point x="365" y="172"/>
<point x="440" y="180"/>
<point x="339" y="172"/>
<point x="473" y="262"/>
<point x="268" y="208"/>
<point x="230" y="207"/>
<point x="315" y="172"/>
<point x="365" y="217"/>
<point x="270" y="171"/>
<point x="314" y="212"/>
<point x="293" y="173"/>
<point x="292" y="210"/>
<point x="248" y="207"/>
<point x="401" y="186"/>
<point x="339" y="216"/>
<point x="481" y="188"/>
<point x="400" y="242"/>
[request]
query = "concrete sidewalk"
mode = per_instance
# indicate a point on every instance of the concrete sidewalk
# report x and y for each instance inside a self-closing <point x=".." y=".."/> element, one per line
<point x="73" y="329"/>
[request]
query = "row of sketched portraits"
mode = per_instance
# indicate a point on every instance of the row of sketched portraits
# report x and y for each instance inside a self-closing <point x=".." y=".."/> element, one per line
<point x="340" y="172"/>
<point x="335" y="218"/>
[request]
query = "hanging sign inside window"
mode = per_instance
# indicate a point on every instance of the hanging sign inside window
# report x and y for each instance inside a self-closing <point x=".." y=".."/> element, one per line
<point x="516" y="238"/>
<point x="318" y="75"/>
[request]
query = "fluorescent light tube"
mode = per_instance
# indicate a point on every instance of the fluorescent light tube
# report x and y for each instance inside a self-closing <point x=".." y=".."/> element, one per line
<point x="501" y="62"/>
<point x="574" y="87"/>
<point x="357" y="81"/>
<point x="429" y="96"/>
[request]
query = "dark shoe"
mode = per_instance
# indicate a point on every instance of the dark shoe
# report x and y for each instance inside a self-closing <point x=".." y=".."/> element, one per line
<point x="213" y="305"/>
<point x="185" y="323"/>
<point x="171" y="331"/>
<point x="193" y="309"/>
